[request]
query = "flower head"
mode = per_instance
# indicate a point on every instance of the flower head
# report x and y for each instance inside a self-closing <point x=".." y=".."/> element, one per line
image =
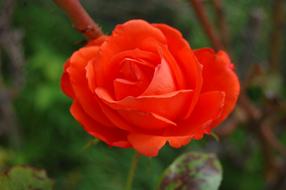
<point x="144" y="86"/>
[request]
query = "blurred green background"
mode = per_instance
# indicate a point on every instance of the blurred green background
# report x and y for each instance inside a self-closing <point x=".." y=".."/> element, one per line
<point x="48" y="137"/>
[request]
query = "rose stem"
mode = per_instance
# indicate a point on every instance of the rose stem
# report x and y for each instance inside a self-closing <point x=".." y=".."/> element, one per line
<point x="132" y="171"/>
<point x="80" y="18"/>
<point x="200" y="13"/>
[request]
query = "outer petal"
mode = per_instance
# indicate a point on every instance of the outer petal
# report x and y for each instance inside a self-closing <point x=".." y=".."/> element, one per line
<point x="111" y="136"/>
<point x="77" y="73"/>
<point x="170" y="105"/>
<point x="186" y="59"/>
<point x="131" y="118"/>
<point x="207" y="109"/>
<point x="132" y="33"/>
<point x="136" y="121"/>
<point x="97" y="42"/>
<point x="218" y="75"/>
<point x="65" y="81"/>
<point x="148" y="122"/>
<point x="115" y="118"/>
<point x="146" y="144"/>
<point x="149" y="145"/>
<point x="178" y="142"/>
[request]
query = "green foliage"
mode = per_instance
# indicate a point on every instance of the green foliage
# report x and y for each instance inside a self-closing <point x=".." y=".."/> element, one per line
<point x="197" y="171"/>
<point x="47" y="66"/>
<point x="25" y="178"/>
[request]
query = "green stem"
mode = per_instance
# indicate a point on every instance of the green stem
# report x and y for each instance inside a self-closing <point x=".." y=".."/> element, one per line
<point x="132" y="171"/>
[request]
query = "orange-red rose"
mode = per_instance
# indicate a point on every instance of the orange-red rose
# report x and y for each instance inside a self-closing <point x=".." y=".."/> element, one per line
<point x="143" y="86"/>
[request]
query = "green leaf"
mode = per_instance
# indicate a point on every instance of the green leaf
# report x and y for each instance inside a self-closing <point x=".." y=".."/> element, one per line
<point x="25" y="178"/>
<point x="193" y="171"/>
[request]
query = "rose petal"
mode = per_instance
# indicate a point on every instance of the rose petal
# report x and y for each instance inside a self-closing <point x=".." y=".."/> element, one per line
<point x="90" y="74"/>
<point x="76" y="71"/>
<point x="115" y="118"/>
<point x="123" y="88"/>
<point x="114" y="63"/>
<point x="174" y="67"/>
<point x="127" y="36"/>
<point x="132" y="33"/>
<point x="170" y="105"/>
<point x="207" y="109"/>
<point x="97" y="42"/>
<point x="133" y="78"/>
<point x="112" y="136"/>
<point x="132" y="120"/>
<point x="151" y="58"/>
<point x="186" y="59"/>
<point x="65" y="81"/>
<point x="146" y="120"/>
<point x="178" y="142"/>
<point x="218" y="75"/>
<point x="150" y="145"/>
<point x="146" y="144"/>
<point x="162" y="81"/>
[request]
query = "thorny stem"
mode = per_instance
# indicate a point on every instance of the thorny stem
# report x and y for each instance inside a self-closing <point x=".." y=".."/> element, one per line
<point x="80" y="18"/>
<point x="132" y="171"/>
<point x="201" y="14"/>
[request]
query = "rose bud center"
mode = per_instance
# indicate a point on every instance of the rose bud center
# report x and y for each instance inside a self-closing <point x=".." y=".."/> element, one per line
<point x="132" y="78"/>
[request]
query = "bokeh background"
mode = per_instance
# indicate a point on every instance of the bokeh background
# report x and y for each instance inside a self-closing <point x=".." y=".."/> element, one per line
<point x="36" y="128"/>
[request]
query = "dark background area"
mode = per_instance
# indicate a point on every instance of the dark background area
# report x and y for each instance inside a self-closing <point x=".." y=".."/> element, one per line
<point x="36" y="128"/>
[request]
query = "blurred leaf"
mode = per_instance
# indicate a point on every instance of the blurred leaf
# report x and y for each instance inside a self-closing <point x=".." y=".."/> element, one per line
<point x="193" y="171"/>
<point x="4" y="156"/>
<point x="215" y="136"/>
<point x="271" y="84"/>
<point x="46" y="62"/>
<point x="44" y="97"/>
<point x="24" y="178"/>
<point x="91" y="143"/>
<point x="255" y="93"/>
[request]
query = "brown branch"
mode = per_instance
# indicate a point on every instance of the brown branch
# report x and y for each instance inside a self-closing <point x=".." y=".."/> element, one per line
<point x="250" y="39"/>
<point x="258" y="119"/>
<point x="6" y="12"/>
<point x="237" y="117"/>
<point x="262" y="128"/>
<point x="200" y="13"/>
<point x="80" y="18"/>
<point x="223" y="30"/>
<point x="254" y="70"/>
<point x="249" y="108"/>
<point x="276" y="40"/>
<point x="269" y="136"/>
<point x="270" y="165"/>
<point x="228" y="128"/>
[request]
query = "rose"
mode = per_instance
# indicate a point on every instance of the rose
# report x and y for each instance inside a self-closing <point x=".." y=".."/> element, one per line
<point x="143" y="86"/>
